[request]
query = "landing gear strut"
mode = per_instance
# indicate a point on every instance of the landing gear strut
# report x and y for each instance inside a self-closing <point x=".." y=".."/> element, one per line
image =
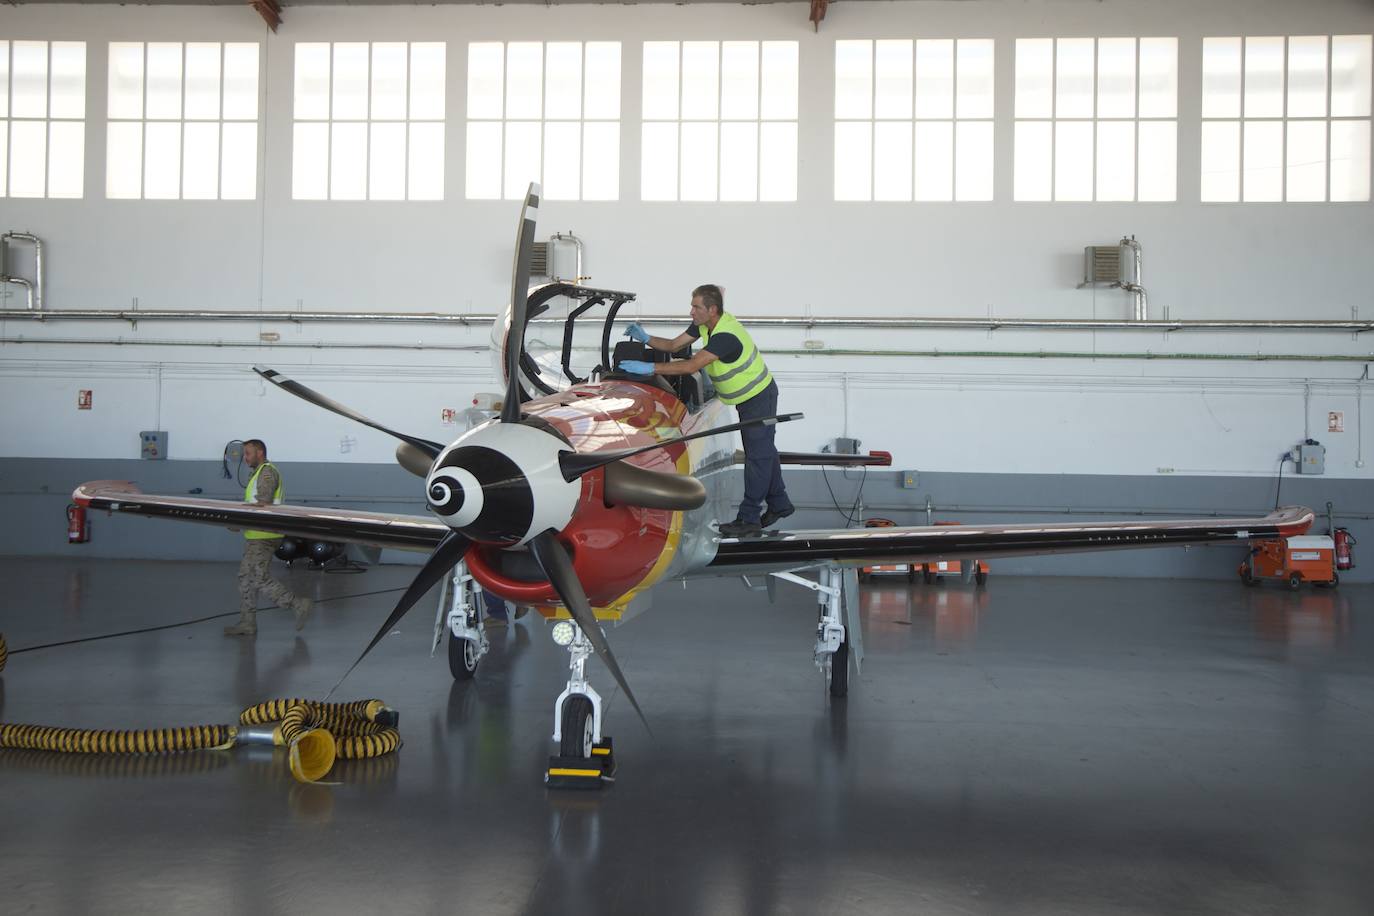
<point x="586" y="759"/>
<point x="460" y="612"/>
<point x="837" y="631"/>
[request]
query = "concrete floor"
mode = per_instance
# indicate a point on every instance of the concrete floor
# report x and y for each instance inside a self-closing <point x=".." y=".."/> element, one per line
<point x="1084" y="746"/>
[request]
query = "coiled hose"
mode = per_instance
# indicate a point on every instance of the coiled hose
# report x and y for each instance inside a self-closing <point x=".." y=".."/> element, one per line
<point x="316" y="733"/>
<point x="365" y="729"/>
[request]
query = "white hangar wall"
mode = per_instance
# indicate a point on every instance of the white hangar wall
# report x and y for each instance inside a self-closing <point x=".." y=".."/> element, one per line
<point x="1137" y="411"/>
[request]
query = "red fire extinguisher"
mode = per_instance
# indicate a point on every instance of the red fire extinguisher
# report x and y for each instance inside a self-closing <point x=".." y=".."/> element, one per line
<point x="1344" y="541"/>
<point x="78" y="529"/>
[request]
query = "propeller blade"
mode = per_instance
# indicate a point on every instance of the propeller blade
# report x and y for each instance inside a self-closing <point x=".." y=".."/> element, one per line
<point x="446" y="556"/>
<point x="519" y="298"/>
<point x="557" y="565"/>
<point x="414" y="460"/>
<point x="631" y="485"/>
<point x="432" y="449"/>
<point x="574" y="465"/>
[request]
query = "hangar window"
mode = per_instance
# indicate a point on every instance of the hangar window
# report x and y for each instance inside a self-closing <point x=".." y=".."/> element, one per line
<point x="42" y="118"/>
<point x="720" y="121"/>
<point x="1096" y="119"/>
<point x="913" y="119"/>
<point x="1286" y="118"/>
<point x="183" y="121"/>
<point x="546" y="112"/>
<point x="369" y="121"/>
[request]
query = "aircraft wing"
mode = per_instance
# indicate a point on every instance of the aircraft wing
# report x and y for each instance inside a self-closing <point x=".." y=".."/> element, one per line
<point x="405" y="532"/>
<point x="874" y="546"/>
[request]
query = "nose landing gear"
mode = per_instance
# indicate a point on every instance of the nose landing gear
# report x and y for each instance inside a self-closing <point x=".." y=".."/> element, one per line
<point x="460" y="603"/>
<point x="585" y="759"/>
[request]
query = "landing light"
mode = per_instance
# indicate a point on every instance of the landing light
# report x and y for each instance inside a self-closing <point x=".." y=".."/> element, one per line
<point x="564" y="632"/>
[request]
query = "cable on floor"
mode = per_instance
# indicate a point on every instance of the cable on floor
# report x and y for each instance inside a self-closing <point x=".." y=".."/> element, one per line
<point x="172" y="626"/>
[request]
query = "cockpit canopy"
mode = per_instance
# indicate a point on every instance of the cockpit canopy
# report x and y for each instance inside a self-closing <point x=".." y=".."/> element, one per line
<point x="547" y="369"/>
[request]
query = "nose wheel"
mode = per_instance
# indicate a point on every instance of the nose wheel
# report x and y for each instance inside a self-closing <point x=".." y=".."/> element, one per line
<point x="585" y="757"/>
<point x="460" y="603"/>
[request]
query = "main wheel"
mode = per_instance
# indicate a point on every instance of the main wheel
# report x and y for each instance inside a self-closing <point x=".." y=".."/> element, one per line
<point x="839" y="671"/>
<point x="462" y="658"/>
<point x="1247" y="575"/>
<point x="927" y="575"/>
<point x="1295" y="581"/>
<point x="980" y="577"/>
<point x="578" y="727"/>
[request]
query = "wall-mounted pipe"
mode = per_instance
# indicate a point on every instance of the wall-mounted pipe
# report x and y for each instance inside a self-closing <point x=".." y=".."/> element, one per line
<point x="19" y="281"/>
<point x="35" y="288"/>
<point x="1142" y="304"/>
<point x="830" y="351"/>
<point x="802" y="322"/>
<point x="569" y="237"/>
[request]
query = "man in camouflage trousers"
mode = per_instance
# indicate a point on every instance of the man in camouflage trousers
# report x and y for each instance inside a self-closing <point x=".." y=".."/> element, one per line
<point x="264" y="489"/>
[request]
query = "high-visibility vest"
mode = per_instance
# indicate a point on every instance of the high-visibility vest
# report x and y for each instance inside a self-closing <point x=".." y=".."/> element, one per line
<point x="250" y="495"/>
<point x="741" y="379"/>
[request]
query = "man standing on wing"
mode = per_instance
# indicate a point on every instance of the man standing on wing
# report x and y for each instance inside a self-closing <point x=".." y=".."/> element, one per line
<point x="741" y="378"/>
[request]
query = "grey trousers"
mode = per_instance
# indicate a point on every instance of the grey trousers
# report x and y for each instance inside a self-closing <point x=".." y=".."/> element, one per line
<point x="253" y="575"/>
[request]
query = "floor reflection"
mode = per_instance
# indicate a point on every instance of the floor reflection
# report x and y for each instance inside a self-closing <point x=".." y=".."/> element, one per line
<point x="1304" y="620"/>
<point x="949" y="613"/>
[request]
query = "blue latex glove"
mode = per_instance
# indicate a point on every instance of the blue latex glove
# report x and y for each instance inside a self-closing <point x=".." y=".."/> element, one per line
<point x="635" y="332"/>
<point x="636" y="367"/>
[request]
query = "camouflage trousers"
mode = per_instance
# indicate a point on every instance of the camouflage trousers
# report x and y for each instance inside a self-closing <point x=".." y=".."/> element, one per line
<point x="253" y="576"/>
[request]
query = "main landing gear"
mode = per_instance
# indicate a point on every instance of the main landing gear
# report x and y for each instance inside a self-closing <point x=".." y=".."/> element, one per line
<point x="460" y="612"/>
<point x="585" y="759"/>
<point x="837" y="630"/>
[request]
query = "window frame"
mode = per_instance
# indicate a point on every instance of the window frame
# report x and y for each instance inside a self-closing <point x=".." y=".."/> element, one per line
<point x="1058" y="126"/>
<point x="422" y="140"/>
<point x="53" y="127"/>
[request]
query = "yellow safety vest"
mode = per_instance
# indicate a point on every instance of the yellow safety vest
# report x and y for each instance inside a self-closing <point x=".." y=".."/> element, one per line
<point x="250" y="495"/>
<point x="740" y="380"/>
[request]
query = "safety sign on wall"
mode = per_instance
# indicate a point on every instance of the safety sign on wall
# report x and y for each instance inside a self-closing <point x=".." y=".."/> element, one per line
<point x="83" y="399"/>
<point x="1335" y="421"/>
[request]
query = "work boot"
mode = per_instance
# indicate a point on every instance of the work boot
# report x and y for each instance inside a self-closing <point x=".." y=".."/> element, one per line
<point x="770" y="516"/>
<point x="739" y="528"/>
<point x="302" y="606"/>
<point x="247" y="625"/>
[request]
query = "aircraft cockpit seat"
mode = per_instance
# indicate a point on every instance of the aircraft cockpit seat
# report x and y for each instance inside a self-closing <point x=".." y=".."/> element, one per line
<point x="689" y="390"/>
<point x="632" y="349"/>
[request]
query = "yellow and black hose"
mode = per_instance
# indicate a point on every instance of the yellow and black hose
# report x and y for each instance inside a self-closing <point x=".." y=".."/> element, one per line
<point x="91" y="741"/>
<point x="314" y="734"/>
<point x="4" y="652"/>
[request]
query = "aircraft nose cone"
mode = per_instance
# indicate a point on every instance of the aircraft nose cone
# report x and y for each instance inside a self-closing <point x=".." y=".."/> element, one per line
<point x="501" y="484"/>
<point x="454" y="494"/>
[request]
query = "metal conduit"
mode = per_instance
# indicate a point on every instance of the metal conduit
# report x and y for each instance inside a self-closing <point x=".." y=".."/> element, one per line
<point x="944" y="354"/>
<point x="134" y="316"/>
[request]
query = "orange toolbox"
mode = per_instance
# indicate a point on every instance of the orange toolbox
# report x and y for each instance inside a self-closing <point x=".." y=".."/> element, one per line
<point x="931" y="571"/>
<point x="1295" y="560"/>
<point x="887" y="569"/>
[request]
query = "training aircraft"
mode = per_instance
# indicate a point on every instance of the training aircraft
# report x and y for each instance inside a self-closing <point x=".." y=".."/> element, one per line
<point x="585" y="492"/>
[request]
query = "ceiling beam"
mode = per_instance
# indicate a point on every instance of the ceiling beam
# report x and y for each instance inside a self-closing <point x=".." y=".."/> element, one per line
<point x="270" y="11"/>
<point x="818" y="12"/>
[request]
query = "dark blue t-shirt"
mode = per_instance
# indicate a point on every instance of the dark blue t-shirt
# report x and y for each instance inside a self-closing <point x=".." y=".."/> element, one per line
<point x="726" y="347"/>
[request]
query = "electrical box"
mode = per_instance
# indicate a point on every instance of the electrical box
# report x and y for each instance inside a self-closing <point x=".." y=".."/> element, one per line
<point x="909" y="479"/>
<point x="153" y="444"/>
<point x="846" y="446"/>
<point x="1311" y="458"/>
